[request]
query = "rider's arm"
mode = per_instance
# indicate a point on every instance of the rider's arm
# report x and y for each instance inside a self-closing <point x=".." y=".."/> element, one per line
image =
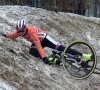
<point x="36" y="41"/>
<point x="13" y="35"/>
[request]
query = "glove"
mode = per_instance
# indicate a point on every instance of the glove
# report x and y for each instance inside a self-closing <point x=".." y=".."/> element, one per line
<point x="45" y="60"/>
<point x="2" y="34"/>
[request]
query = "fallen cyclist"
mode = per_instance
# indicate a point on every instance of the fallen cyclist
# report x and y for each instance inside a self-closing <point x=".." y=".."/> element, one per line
<point x="40" y="39"/>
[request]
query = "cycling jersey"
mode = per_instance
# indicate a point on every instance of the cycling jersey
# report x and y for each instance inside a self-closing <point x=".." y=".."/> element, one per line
<point x="34" y="35"/>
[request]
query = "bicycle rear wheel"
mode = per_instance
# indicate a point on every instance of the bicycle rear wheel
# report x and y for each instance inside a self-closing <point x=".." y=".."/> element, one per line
<point x="88" y="67"/>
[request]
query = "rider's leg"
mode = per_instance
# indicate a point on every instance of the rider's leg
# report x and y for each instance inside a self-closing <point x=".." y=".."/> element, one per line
<point x="49" y="42"/>
<point x="33" y="51"/>
<point x="74" y="52"/>
<point x="70" y="51"/>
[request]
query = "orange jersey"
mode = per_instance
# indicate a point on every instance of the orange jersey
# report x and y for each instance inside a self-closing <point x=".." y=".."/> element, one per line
<point x="34" y="35"/>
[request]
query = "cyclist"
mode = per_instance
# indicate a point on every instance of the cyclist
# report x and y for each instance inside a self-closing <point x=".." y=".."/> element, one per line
<point x="39" y="39"/>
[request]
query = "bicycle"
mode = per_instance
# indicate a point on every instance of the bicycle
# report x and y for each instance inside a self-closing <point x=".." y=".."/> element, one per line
<point x="80" y="70"/>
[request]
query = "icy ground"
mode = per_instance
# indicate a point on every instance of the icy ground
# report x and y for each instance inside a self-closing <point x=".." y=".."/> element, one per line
<point x="21" y="71"/>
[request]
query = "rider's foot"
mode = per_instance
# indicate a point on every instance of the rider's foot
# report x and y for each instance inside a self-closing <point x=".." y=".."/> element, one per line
<point x="54" y="61"/>
<point x="87" y="56"/>
<point x="58" y="62"/>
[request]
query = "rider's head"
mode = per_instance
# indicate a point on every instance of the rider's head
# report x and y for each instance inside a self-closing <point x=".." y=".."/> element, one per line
<point x="21" y="26"/>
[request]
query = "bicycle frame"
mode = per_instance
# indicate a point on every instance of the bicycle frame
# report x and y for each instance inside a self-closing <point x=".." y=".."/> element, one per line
<point x="67" y="56"/>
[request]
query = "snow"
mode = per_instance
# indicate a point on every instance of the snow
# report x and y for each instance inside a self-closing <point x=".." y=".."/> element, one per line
<point x="6" y="86"/>
<point x="55" y="23"/>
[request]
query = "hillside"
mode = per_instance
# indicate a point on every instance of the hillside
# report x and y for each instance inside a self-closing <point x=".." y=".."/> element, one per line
<point x="21" y="71"/>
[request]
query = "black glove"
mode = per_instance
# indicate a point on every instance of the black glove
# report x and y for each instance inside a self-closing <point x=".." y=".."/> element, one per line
<point x="45" y="60"/>
<point x="2" y="34"/>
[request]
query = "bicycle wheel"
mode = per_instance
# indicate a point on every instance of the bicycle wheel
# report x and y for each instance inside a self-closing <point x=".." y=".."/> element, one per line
<point x="80" y="72"/>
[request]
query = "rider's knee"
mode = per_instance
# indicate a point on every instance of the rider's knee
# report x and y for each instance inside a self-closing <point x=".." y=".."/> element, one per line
<point x="60" y="48"/>
<point x="34" y="52"/>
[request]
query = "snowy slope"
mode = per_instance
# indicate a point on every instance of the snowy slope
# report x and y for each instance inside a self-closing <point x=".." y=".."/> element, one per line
<point x="21" y="71"/>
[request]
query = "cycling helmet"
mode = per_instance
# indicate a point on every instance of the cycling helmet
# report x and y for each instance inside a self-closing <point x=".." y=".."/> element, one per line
<point x="21" y="25"/>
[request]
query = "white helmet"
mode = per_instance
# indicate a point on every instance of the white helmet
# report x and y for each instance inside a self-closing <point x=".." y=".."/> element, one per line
<point x="21" y="25"/>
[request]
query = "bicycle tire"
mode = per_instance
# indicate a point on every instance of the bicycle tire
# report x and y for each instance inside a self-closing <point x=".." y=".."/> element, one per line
<point x="94" y="60"/>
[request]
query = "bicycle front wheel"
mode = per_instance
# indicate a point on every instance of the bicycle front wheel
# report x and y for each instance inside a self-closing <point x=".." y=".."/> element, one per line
<point x="88" y="67"/>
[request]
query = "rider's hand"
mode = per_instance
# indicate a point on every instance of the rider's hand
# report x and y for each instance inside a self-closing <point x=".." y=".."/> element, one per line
<point x="2" y="34"/>
<point x="45" y="60"/>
